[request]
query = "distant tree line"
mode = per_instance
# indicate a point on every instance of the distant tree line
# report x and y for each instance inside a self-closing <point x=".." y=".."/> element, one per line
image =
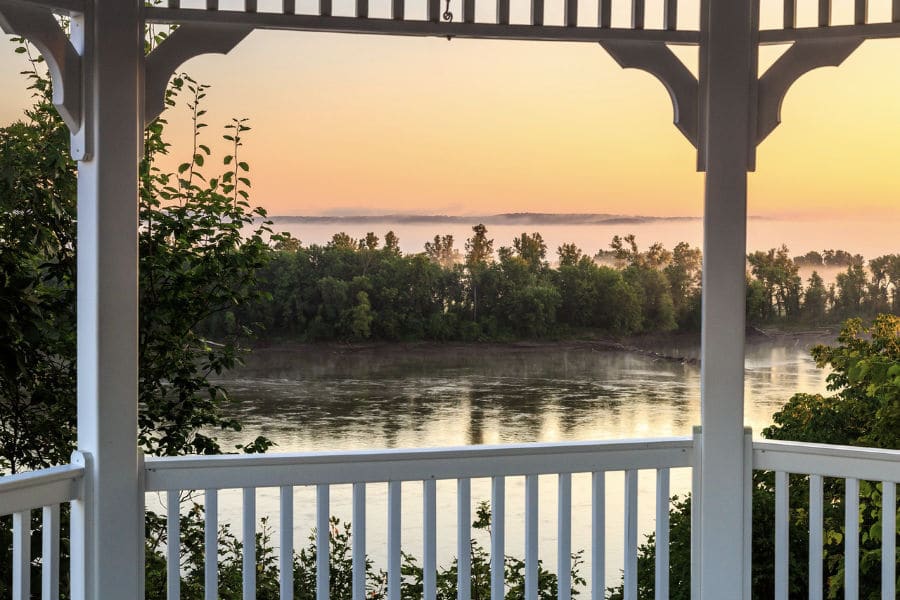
<point x="360" y="289"/>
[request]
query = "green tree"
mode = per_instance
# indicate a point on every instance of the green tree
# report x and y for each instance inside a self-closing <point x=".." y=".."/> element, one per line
<point x="815" y="298"/>
<point x="569" y="255"/>
<point x="532" y="249"/>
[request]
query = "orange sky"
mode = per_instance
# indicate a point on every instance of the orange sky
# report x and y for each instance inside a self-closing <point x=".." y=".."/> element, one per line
<point x="349" y="124"/>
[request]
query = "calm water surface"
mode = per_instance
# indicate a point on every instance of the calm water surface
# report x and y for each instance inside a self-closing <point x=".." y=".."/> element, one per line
<point x="420" y="396"/>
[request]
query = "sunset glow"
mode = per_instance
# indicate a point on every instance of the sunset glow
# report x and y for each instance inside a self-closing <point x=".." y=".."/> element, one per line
<point x="362" y="124"/>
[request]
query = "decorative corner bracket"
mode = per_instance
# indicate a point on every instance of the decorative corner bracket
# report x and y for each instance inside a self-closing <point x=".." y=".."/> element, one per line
<point x="64" y="62"/>
<point x="799" y="59"/>
<point x="184" y="43"/>
<point x="658" y="60"/>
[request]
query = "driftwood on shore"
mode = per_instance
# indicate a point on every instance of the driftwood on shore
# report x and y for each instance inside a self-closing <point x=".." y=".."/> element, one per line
<point x="608" y="345"/>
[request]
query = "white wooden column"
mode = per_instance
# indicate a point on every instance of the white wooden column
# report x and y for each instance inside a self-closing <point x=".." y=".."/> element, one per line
<point x="108" y="524"/>
<point x="727" y="80"/>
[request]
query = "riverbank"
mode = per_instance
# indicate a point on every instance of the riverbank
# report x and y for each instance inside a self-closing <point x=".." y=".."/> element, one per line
<point x="683" y="348"/>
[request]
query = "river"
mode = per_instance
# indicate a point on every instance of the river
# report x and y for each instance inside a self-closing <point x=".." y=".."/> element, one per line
<point x="336" y="397"/>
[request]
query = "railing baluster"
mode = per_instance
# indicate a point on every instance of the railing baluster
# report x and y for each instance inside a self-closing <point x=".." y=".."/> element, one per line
<point x="286" y="543"/>
<point x="325" y="8"/>
<point x="503" y="12"/>
<point x="895" y="11"/>
<point x="638" y="8"/>
<point x="323" y="540"/>
<point x="212" y="4"/>
<point x="888" y="539"/>
<point x="362" y="9"/>
<point x="696" y="488"/>
<point x="464" y="539"/>
<point x="433" y="10"/>
<point x="670" y="15"/>
<point x="469" y="11"/>
<point x="790" y="14"/>
<point x="211" y="546"/>
<point x="358" y="541"/>
<point x="249" y="538"/>
<point x="498" y="535"/>
<point x="816" y="538"/>
<point x="564" y="537"/>
<point x="531" y="537"/>
<point x="250" y="6"/>
<point x="22" y="556"/>
<point x="174" y="3"/>
<point x="288" y="7"/>
<point x="662" y="535"/>
<point x="50" y="553"/>
<point x="631" y="535"/>
<point x="398" y="10"/>
<point x="824" y="13"/>
<point x="781" y="535"/>
<point x="537" y="12"/>
<point x="598" y="535"/>
<point x="571" y="17"/>
<point x="429" y="539"/>
<point x="173" y="546"/>
<point x="394" y="575"/>
<point x="604" y="16"/>
<point x="860" y="12"/>
<point x="851" y="539"/>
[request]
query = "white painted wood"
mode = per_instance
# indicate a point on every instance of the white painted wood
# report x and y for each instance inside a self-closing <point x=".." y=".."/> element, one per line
<point x="816" y="537"/>
<point x="598" y="535"/>
<point x="21" y="551"/>
<point x="173" y="545"/>
<point x="248" y="537"/>
<point x="323" y="541"/>
<point x="464" y="539"/>
<point x="781" y="535"/>
<point x="661" y="576"/>
<point x="888" y="539"/>
<point x="696" y="502"/>
<point x="211" y="546"/>
<point x="394" y="539"/>
<point x="50" y="553"/>
<point x="498" y="536"/>
<point x="604" y="16"/>
<point x="408" y="27"/>
<point x="110" y="518"/>
<point x="867" y="31"/>
<point x="286" y="543"/>
<point x="429" y="539"/>
<point x="630" y="576"/>
<point x="851" y="539"/>
<point x="358" y="541"/>
<point x="35" y="489"/>
<point x="531" y="537"/>
<point x="727" y="71"/>
<point x="270" y="470"/>
<point x="564" y="537"/>
<point x="748" y="514"/>
<point x="830" y="461"/>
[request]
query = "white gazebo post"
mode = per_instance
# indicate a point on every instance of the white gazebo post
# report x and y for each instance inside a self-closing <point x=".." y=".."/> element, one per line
<point x="108" y="524"/>
<point x="728" y="78"/>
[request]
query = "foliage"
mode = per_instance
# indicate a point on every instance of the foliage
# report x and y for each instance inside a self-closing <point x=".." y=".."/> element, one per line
<point x="863" y="411"/>
<point x="340" y="565"/>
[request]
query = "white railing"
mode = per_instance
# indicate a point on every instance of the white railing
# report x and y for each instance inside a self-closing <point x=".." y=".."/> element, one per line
<point x="19" y="496"/>
<point x="173" y="476"/>
<point x="852" y="465"/>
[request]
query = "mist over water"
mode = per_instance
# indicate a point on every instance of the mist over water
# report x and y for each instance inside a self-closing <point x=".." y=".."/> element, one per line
<point x="333" y="397"/>
<point x="869" y="237"/>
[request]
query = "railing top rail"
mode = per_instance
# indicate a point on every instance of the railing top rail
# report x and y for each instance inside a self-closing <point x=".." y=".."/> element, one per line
<point x="416" y="27"/>
<point x="828" y="460"/>
<point x="35" y="489"/>
<point x="264" y="470"/>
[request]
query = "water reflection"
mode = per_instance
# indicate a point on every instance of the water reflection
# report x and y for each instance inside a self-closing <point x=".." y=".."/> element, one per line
<point x="416" y="396"/>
